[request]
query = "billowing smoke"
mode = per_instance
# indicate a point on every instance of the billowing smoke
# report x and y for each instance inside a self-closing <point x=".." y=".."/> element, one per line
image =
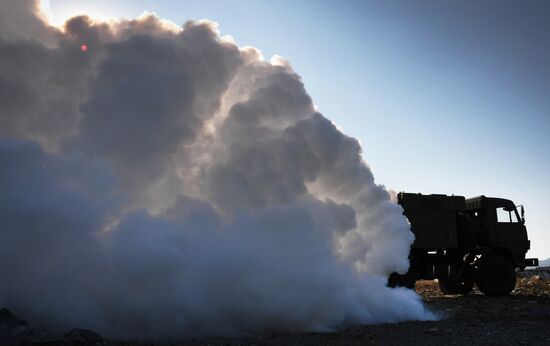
<point x="167" y="182"/>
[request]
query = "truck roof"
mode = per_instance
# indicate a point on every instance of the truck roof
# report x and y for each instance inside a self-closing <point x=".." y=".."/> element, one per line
<point x="483" y="201"/>
<point x="418" y="201"/>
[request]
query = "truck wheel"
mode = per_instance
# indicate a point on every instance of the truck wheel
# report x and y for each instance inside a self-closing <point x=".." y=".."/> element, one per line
<point x="496" y="276"/>
<point x="455" y="286"/>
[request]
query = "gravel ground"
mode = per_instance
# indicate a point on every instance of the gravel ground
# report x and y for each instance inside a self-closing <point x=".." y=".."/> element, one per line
<point x="523" y="318"/>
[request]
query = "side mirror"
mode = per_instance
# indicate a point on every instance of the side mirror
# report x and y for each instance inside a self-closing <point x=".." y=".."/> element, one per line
<point x="522" y="214"/>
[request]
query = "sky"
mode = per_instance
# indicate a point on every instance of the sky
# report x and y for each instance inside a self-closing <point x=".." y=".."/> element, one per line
<point x="445" y="96"/>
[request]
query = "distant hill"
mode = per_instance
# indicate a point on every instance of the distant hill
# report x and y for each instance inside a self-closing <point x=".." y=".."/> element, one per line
<point x="544" y="263"/>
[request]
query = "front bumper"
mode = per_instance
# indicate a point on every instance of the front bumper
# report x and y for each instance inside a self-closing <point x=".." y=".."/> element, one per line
<point x="531" y="262"/>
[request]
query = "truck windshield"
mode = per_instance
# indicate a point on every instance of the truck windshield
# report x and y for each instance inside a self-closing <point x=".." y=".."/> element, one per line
<point x="505" y="215"/>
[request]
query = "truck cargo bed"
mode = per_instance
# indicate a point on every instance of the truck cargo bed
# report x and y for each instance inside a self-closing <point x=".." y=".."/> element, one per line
<point x="433" y="218"/>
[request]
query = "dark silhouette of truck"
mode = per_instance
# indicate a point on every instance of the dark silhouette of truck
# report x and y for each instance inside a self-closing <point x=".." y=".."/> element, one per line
<point x="460" y="242"/>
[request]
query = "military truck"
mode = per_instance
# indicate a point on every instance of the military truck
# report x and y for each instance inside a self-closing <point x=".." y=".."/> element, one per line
<point x="461" y="241"/>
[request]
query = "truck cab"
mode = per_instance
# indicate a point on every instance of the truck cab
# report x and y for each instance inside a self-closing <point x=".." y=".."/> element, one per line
<point x="502" y="227"/>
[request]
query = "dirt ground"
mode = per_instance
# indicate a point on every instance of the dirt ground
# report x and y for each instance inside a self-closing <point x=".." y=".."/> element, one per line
<point x="523" y="318"/>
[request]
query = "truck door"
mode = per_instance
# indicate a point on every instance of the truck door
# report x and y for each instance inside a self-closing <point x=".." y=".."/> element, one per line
<point x="510" y="233"/>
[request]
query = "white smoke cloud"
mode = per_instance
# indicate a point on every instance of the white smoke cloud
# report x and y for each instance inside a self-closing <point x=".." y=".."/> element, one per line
<point x="169" y="183"/>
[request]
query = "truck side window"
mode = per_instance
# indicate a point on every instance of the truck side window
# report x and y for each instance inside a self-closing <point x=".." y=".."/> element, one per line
<point x="504" y="216"/>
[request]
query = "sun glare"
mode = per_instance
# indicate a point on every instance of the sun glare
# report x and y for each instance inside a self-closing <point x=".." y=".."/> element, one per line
<point x="58" y="16"/>
<point x="44" y="10"/>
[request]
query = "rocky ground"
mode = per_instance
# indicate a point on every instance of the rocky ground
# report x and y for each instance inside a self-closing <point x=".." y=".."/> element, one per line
<point x="523" y="318"/>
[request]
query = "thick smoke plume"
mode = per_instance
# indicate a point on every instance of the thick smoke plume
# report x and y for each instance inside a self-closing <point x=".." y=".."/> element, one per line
<point x="167" y="182"/>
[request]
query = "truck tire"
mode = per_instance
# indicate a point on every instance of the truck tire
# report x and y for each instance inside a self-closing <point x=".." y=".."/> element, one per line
<point x="455" y="286"/>
<point x="496" y="276"/>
